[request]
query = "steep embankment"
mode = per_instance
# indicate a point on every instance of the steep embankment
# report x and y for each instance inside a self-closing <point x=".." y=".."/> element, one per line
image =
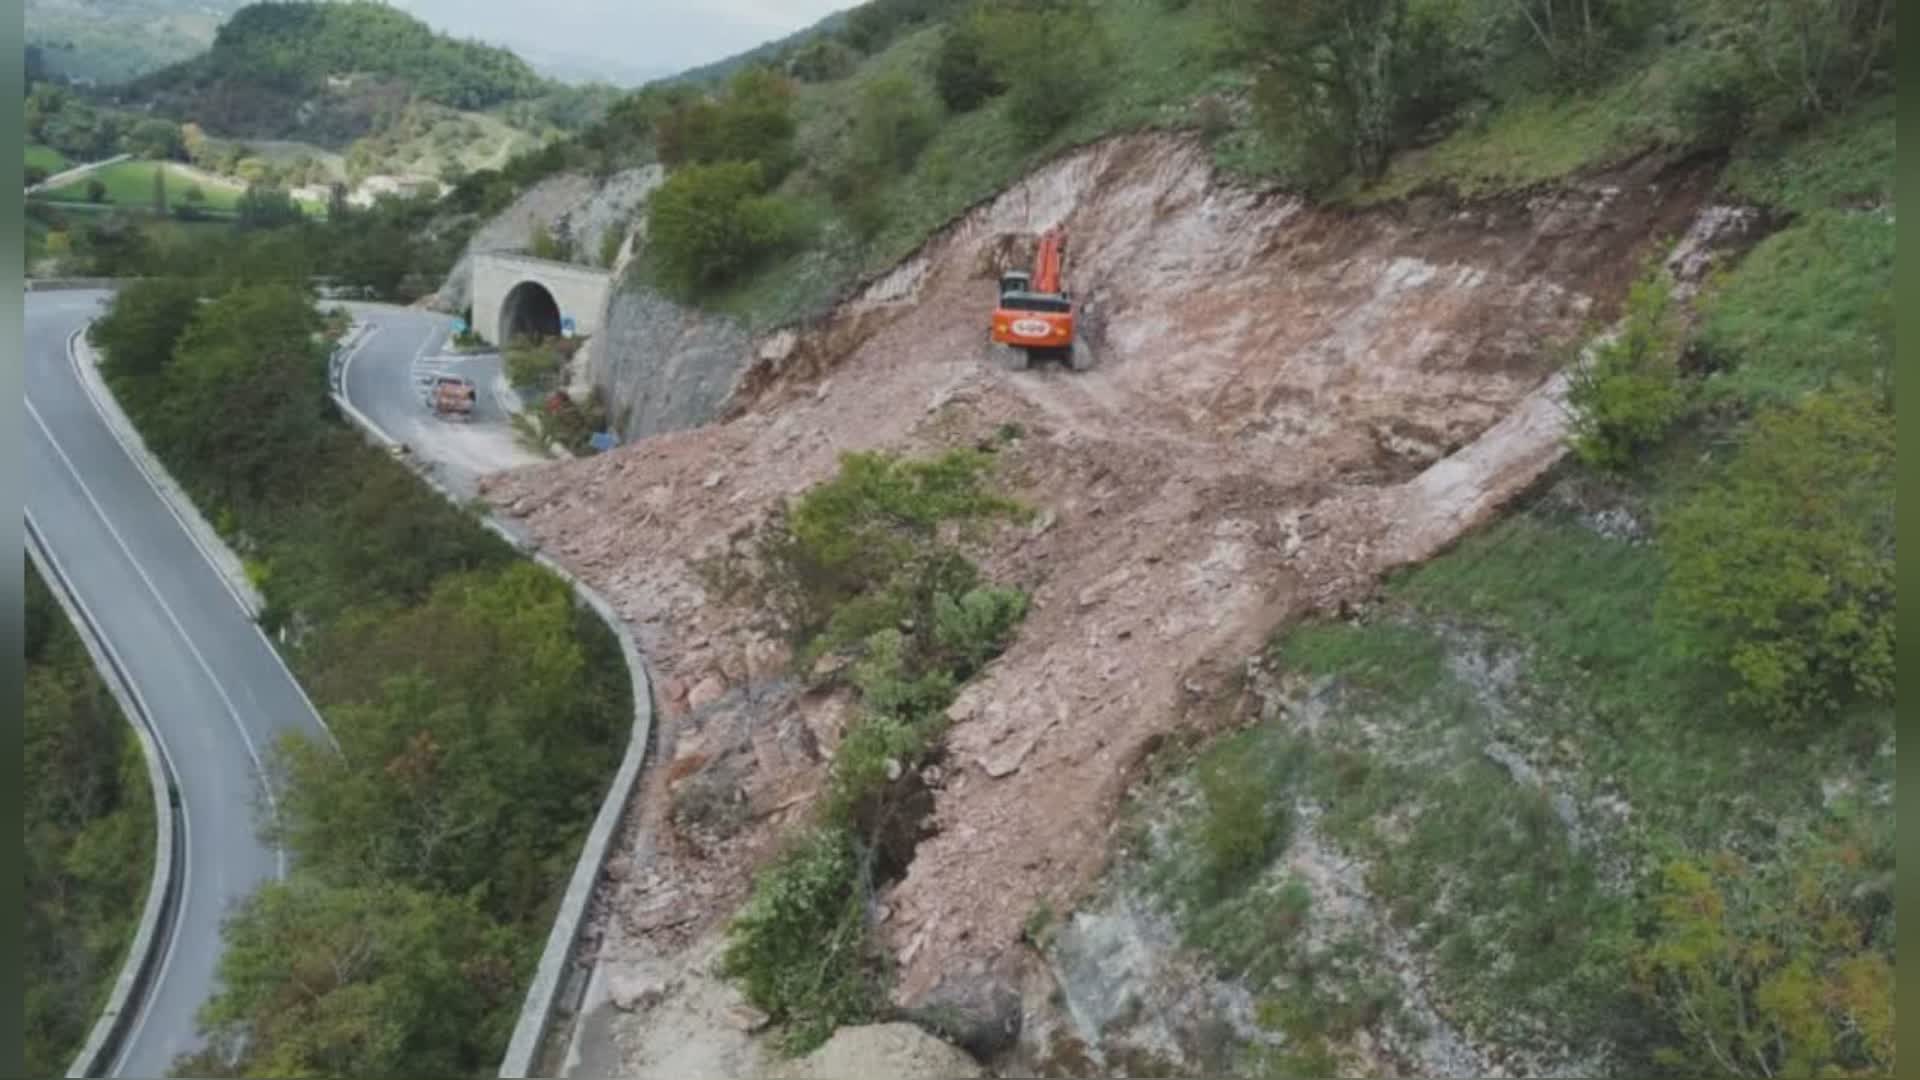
<point x="1288" y="400"/>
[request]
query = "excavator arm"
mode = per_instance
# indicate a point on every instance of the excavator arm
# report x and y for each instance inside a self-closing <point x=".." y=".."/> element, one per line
<point x="1048" y="260"/>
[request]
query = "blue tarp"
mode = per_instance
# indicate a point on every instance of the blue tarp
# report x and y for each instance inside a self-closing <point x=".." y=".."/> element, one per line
<point x="603" y="441"/>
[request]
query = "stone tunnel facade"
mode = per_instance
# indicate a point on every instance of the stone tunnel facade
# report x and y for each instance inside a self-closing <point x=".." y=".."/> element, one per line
<point x="519" y="293"/>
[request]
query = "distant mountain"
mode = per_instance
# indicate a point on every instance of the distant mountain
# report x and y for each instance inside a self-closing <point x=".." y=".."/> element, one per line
<point x="719" y="70"/>
<point x="576" y="69"/>
<point x="328" y="73"/>
<point x="110" y="41"/>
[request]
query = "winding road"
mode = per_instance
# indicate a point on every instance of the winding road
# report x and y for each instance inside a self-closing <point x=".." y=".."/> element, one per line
<point x="217" y="694"/>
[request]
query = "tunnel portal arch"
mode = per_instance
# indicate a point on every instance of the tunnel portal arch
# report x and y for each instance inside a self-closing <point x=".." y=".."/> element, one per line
<point x="529" y="310"/>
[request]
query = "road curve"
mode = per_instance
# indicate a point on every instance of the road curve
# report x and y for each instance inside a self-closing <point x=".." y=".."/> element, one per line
<point x="381" y="374"/>
<point x="218" y="694"/>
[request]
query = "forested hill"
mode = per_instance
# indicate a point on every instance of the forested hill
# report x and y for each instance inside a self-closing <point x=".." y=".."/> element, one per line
<point x="284" y="69"/>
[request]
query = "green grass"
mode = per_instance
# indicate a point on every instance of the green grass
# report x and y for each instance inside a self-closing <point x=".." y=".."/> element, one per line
<point x="1846" y="162"/>
<point x="130" y="184"/>
<point x="1810" y="303"/>
<point x="1523" y="921"/>
<point x="46" y="157"/>
<point x="1526" y="142"/>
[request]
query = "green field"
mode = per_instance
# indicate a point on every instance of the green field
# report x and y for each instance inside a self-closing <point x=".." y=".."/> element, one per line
<point x="46" y="157"/>
<point x="130" y="184"/>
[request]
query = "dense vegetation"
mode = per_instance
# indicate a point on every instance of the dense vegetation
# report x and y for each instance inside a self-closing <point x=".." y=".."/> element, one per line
<point x="479" y="710"/>
<point x="285" y="52"/>
<point x="853" y="570"/>
<point x="1685" y="638"/>
<point x="88" y="831"/>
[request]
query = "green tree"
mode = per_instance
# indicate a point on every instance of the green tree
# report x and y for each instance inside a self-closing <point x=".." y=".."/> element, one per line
<point x="265" y="207"/>
<point x="1782" y="969"/>
<point x="1327" y="72"/>
<point x="892" y="122"/>
<point x="360" y="981"/>
<point x="139" y="331"/>
<point x="710" y="223"/>
<point x="87" y="836"/>
<point x="156" y="139"/>
<point x="463" y="723"/>
<point x="1050" y="57"/>
<point x="1816" y="55"/>
<point x="963" y="72"/>
<point x="96" y="190"/>
<point x="1782" y="566"/>
<point x="1629" y="392"/>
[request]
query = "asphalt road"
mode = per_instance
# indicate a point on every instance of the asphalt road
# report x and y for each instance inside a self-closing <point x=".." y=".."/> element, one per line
<point x="218" y="694"/>
<point x="383" y="380"/>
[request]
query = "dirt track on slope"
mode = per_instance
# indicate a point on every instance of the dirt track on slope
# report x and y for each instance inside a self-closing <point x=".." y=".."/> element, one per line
<point x="1287" y="402"/>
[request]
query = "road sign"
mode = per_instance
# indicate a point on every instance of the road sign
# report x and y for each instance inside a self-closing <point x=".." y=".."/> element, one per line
<point x="566" y="326"/>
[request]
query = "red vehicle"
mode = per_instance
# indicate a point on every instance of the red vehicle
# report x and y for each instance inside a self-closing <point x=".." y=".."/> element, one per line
<point x="453" y="397"/>
<point x="1034" y="316"/>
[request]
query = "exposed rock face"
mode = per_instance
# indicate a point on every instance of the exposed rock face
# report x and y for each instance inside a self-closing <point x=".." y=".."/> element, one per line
<point x="512" y="230"/>
<point x="664" y="366"/>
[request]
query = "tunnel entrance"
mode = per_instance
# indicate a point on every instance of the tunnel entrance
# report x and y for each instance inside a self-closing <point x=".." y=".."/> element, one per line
<point x="529" y="311"/>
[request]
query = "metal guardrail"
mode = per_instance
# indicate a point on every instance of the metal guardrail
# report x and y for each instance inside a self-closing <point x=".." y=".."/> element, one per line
<point x="164" y="887"/>
<point x="551" y="993"/>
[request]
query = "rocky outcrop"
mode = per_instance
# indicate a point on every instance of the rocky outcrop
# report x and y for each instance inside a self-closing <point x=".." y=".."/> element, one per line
<point x="664" y="366"/>
<point x="897" y="1051"/>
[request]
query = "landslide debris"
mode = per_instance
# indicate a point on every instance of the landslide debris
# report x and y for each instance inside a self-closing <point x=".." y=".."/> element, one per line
<point x="1287" y="401"/>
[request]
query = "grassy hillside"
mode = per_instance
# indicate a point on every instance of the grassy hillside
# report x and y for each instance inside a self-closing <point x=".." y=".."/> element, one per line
<point x="911" y="110"/>
<point x="130" y="184"/>
<point x="45" y="157"/>
<point x="88" y="835"/>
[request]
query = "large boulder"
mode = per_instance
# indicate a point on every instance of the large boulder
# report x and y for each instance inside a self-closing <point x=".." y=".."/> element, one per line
<point x="880" y="1052"/>
<point x="979" y="1011"/>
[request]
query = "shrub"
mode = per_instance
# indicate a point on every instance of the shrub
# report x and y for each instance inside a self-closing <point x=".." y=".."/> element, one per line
<point x="892" y="122"/>
<point x="1814" y="55"/>
<point x="96" y="190"/>
<point x="752" y="121"/>
<point x="1783" y="969"/>
<point x="975" y="626"/>
<point x="1782" y="567"/>
<point x="1629" y="392"/>
<point x="1238" y="830"/>
<point x="551" y="242"/>
<point x="963" y="72"/>
<point x="799" y="945"/>
<point x="823" y="59"/>
<point x="1049" y="56"/>
<point x="861" y="535"/>
<point x="710" y="223"/>
<point x="531" y="362"/>
<point x="147" y="318"/>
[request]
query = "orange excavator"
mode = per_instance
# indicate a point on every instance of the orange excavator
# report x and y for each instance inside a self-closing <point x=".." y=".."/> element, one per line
<point x="1035" y="314"/>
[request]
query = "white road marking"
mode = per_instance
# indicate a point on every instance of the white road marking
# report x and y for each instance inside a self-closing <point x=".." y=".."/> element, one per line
<point x="86" y="387"/>
<point x="273" y="807"/>
<point x="184" y="850"/>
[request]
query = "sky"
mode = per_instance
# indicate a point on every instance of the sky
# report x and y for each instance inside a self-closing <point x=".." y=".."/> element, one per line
<point x="628" y="40"/>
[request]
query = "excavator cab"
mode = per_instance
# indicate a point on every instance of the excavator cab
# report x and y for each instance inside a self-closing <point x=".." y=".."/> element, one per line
<point x="1035" y="313"/>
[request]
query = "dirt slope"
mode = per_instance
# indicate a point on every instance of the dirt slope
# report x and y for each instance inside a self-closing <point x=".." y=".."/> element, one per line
<point x="1287" y="401"/>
